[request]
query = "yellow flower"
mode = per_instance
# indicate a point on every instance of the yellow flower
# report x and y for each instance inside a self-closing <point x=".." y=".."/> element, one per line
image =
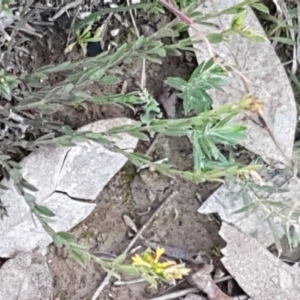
<point x="139" y="261"/>
<point x="167" y="270"/>
<point x="176" y="271"/>
<point x="148" y="257"/>
<point x="158" y="253"/>
<point x="166" y="264"/>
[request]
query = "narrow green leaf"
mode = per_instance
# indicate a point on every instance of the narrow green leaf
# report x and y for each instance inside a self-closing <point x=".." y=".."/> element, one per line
<point x="172" y="51"/>
<point x="112" y="273"/>
<point x="46" y="137"/>
<point x="53" y="69"/>
<point x="153" y="59"/>
<point x="66" y="236"/>
<point x="30" y="199"/>
<point x="96" y="135"/>
<point x="108" y="79"/>
<point x="93" y="39"/>
<point x="92" y="74"/>
<point x="177" y="83"/>
<point x="14" y="164"/>
<point x="5" y="91"/>
<point x="139" y="135"/>
<point x="161" y="52"/>
<point x="150" y="279"/>
<point x="295" y="237"/>
<point x="95" y="17"/>
<point x="283" y="40"/>
<point x="260" y="7"/>
<point x="275" y="235"/>
<point x="244" y="209"/>
<point x="140" y="156"/>
<point x="44" y="210"/>
<point x="57" y="240"/>
<point x="215" y="38"/>
<point x="289" y="235"/>
<point x="67" y="130"/>
<point x="253" y="35"/>
<point x="118" y="55"/>
<point x="237" y="8"/>
<point x="82" y="257"/>
<point x="138" y="43"/>
<point x="28" y="186"/>
<point x="78" y="139"/>
<point x="47" y="220"/>
<point x="128" y="270"/>
<point x="78" y="246"/>
<point x="295" y="80"/>
<point x="12" y="80"/>
<point x="119" y="260"/>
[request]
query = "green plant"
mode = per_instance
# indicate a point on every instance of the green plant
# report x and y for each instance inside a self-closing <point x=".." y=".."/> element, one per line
<point x="95" y="17"/>
<point x="4" y="4"/>
<point x="83" y="38"/>
<point x="156" y="8"/>
<point x="281" y="215"/>
<point x="7" y="84"/>
<point x="103" y="69"/>
<point x="280" y="28"/>
<point x="206" y="76"/>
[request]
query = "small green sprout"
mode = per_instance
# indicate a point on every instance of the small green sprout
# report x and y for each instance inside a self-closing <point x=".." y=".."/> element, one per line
<point x="7" y="84"/>
<point x="83" y="37"/>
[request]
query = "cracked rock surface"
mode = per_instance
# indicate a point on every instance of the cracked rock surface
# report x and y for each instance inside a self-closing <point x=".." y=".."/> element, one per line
<point x="68" y="180"/>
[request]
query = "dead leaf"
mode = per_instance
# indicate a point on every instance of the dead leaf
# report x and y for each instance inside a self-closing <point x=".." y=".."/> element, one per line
<point x="257" y="70"/>
<point x="70" y="47"/>
<point x="26" y="276"/>
<point x="147" y="30"/>
<point x="129" y="223"/>
<point x="259" y="273"/>
<point x="168" y="100"/>
<point x="204" y="282"/>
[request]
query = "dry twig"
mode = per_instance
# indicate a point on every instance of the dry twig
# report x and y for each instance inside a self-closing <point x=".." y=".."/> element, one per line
<point x="119" y="283"/>
<point x="65" y="8"/>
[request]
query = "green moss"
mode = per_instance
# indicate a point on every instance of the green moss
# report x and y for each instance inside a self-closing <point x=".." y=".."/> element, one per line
<point x="127" y="175"/>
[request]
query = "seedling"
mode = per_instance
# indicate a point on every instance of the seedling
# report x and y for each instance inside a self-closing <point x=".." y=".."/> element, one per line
<point x="7" y="84"/>
<point x="83" y="37"/>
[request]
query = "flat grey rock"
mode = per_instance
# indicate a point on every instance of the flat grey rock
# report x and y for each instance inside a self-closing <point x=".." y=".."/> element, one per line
<point x="253" y="222"/>
<point x="68" y="179"/>
<point x="27" y="276"/>
<point x="258" y="272"/>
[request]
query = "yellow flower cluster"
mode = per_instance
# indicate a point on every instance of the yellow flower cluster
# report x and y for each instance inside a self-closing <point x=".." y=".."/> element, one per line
<point x="167" y="270"/>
